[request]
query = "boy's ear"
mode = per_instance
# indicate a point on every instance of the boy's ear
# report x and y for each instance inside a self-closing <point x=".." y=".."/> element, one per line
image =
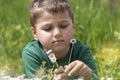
<point x="34" y="33"/>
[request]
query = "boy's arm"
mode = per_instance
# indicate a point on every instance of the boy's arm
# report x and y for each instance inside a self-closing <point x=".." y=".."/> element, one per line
<point x="31" y="63"/>
<point x="94" y="77"/>
<point x="89" y="60"/>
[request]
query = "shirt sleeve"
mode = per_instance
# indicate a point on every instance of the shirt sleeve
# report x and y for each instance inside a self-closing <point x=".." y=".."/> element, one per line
<point x="31" y="63"/>
<point x="94" y="77"/>
<point x="88" y="60"/>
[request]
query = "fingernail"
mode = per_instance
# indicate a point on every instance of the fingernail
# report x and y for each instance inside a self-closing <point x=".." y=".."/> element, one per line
<point x="58" y="78"/>
<point x="65" y="66"/>
<point x="69" y="75"/>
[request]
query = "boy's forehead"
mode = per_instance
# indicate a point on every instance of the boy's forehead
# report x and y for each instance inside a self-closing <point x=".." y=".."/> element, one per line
<point x="42" y="12"/>
<point x="48" y="18"/>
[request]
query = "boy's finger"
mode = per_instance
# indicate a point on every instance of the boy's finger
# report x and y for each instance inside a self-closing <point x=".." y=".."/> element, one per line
<point x="69" y="67"/>
<point x="63" y="76"/>
<point x="59" y="70"/>
<point x="65" y="66"/>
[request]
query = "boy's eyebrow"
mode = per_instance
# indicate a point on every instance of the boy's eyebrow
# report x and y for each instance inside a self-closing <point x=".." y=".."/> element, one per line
<point x="61" y="21"/>
<point x="47" y="24"/>
<point x="65" y="20"/>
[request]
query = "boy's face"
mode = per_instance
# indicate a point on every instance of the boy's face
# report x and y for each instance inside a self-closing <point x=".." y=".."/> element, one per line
<point x="54" y="31"/>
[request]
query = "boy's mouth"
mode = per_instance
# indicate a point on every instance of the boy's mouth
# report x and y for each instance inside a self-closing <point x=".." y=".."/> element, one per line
<point x="58" y="41"/>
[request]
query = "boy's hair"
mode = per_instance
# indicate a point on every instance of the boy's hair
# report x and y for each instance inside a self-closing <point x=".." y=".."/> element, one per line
<point x="52" y="6"/>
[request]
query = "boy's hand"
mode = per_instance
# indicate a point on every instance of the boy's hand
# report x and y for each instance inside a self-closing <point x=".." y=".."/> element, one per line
<point x="78" y="68"/>
<point x="59" y="74"/>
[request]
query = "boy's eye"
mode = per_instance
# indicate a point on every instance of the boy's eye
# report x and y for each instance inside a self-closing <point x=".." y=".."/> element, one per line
<point x="47" y="29"/>
<point x="64" y="26"/>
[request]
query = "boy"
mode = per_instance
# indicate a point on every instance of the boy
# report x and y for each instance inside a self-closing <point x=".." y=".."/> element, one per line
<point x="53" y="28"/>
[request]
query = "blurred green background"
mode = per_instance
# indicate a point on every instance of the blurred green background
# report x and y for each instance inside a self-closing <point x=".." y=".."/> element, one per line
<point x="97" y="25"/>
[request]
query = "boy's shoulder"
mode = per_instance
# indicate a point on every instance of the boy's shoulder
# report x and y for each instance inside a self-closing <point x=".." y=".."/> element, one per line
<point x="81" y="51"/>
<point x="32" y="45"/>
<point x="79" y="44"/>
<point x="81" y="47"/>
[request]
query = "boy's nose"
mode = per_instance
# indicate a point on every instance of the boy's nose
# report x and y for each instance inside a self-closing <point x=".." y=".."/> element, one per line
<point x="57" y="32"/>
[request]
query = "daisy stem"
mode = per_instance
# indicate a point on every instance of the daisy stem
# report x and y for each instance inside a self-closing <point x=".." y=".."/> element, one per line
<point x="56" y="64"/>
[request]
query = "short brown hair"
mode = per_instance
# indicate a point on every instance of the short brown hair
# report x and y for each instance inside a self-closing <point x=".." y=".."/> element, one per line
<point x="52" y="6"/>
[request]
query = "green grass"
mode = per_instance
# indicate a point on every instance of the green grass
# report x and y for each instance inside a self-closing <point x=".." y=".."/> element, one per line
<point x="97" y="25"/>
